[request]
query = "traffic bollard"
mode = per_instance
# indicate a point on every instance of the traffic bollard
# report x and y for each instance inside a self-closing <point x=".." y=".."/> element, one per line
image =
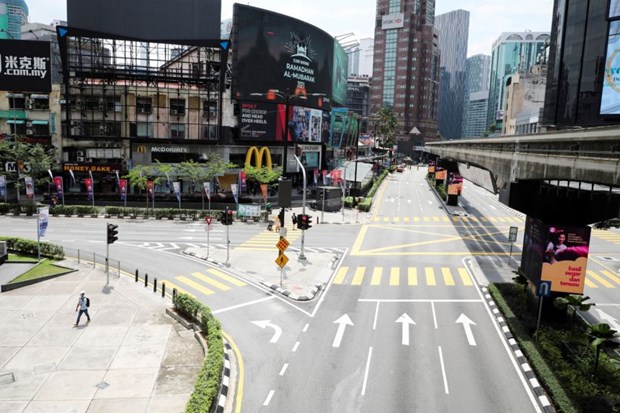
<point x="136" y="275"/>
<point x="146" y="279"/>
<point x="94" y="260"/>
<point x="163" y="289"/>
<point x="155" y="285"/>
<point x="78" y="257"/>
<point x="174" y="294"/>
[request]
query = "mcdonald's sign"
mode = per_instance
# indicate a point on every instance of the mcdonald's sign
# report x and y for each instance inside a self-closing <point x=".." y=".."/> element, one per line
<point x="254" y="152"/>
<point x="141" y="149"/>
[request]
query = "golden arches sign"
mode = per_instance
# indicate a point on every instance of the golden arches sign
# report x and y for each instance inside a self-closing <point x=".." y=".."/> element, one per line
<point x="254" y="152"/>
<point x="141" y="149"/>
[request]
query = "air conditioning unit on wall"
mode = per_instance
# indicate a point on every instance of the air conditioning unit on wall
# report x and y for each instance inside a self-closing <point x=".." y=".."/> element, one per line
<point x="80" y="159"/>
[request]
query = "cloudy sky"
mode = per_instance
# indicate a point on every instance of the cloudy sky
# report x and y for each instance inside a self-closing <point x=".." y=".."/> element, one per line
<point x="488" y="18"/>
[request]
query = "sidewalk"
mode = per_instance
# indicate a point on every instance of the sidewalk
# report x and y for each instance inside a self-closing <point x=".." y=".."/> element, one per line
<point x="299" y="279"/>
<point x="132" y="357"/>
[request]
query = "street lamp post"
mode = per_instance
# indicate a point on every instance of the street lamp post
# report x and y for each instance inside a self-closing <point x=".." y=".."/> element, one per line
<point x="344" y="177"/>
<point x="303" y="208"/>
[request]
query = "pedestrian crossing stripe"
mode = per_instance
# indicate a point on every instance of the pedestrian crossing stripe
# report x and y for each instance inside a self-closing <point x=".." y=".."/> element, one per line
<point x="430" y="276"/>
<point x="377" y="273"/>
<point x="598" y="278"/>
<point x="194" y="284"/>
<point x="398" y="276"/>
<point x="211" y="281"/>
<point x="465" y="278"/>
<point x="227" y="277"/>
<point x="412" y="276"/>
<point x="611" y="276"/>
<point x="172" y="286"/>
<point x="435" y="218"/>
<point x="394" y="276"/>
<point x="447" y="276"/>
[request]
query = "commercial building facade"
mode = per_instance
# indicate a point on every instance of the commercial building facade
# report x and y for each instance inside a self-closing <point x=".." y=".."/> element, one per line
<point x="514" y="52"/>
<point x="477" y="75"/>
<point x="406" y="67"/>
<point x="13" y="14"/>
<point x="453" y="28"/>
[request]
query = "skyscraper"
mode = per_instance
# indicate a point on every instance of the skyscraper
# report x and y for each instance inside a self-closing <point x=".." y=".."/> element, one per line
<point x="360" y="59"/>
<point x="512" y="53"/>
<point x="406" y="67"/>
<point x="13" y="14"/>
<point x="453" y="28"/>
<point x="477" y="71"/>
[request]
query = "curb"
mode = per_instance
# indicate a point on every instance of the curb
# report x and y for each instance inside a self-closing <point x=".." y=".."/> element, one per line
<point x="291" y="295"/>
<point x="221" y="402"/>
<point x="539" y="391"/>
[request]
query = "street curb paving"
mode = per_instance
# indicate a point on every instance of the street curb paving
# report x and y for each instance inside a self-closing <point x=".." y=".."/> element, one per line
<point x="539" y="391"/>
<point x="221" y="403"/>
<point x="290" y="294"/>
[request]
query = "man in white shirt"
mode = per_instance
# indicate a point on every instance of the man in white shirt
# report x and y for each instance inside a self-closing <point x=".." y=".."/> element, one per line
<point x="82" y="305"/>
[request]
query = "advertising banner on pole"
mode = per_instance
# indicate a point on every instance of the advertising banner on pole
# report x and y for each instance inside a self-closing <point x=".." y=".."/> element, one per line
<point x="59" y="186"/>
<point x="207" y="186"/>
<point x="235" y="190"/>
<point x="44" y="214"/>
<point x="122" y="183"/>
<point x="150" y="186"/>
<point x="88" y="182"/>
<point x="324" y="176"/>
<point x="315" y="173"/>
<point x="243" y="181"/>
<point x="2" y="186"/>
<point x="177" y="190"/>
<point x="29" y="187"/>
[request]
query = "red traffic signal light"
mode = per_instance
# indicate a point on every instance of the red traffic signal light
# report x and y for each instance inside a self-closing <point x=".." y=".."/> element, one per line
<point x="112" y="233"/>
<point x="229" y="217"/>
<point x="304" y="221"/>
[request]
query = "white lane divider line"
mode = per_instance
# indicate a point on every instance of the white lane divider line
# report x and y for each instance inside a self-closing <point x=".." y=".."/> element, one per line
<point x="443" y="371"/>
<point x="306" y="327"/>
<point x="367" y="370"/>
<point x="434" y="315"/>
<point x="374" y="324"/>
<point x="283" y="370"/>
<point x="295" y="347"/>
<point x="268" y="399"/>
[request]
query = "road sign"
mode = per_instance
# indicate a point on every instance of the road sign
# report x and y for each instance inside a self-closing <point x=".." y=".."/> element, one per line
<point x="208" y="219"/>
<point x="283" y="244"/>
<point x="512" y="235"/>
<point x="543" y="289"/>
<point x="281" y="260"/>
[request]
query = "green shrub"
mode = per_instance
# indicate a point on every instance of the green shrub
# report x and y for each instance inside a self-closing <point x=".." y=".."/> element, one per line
<point x="86" y="210"/>
<point x="187" y="305"/>
<point x="365" y="205"/>
<point x="5" y="208"/>
<point x="209" y="378"/>
<point x="29" y="247"/>
<point x="117" y="211"/>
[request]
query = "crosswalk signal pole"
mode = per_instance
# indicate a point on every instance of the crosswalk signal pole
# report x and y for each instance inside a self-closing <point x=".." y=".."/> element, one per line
<point x="227" y="243"/>
<point x="302" y="256"/>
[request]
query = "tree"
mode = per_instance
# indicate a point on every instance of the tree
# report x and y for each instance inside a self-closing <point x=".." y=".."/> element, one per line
<point x="36" y="158"/>
<point x="199" y="172"/>
<point x="575" y="302"/>
<point x="388" y="126"/>
<point x="602" y="336"/>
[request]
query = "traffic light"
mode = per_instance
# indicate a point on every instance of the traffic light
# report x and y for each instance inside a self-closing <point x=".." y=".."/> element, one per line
<point x="112" y="233"/>
<point x="222" y="217"/>
<point x="229" y="217"/>
<point x="304" y="221"/>
<point x="281" y="217"/>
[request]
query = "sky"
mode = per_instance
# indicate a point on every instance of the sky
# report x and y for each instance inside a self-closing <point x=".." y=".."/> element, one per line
<point x="487" y="20"/>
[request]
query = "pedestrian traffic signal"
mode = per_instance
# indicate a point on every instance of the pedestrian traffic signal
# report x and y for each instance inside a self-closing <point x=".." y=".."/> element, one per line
<point x="112" y="233"/>
<point x="229" y="217"/>
<point x="281" y="217"/>
<point x="222" y="217"/>
<point x="304" y="221"/>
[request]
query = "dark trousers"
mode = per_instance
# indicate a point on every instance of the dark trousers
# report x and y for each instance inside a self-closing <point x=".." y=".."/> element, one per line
<point x="80" y="315"/>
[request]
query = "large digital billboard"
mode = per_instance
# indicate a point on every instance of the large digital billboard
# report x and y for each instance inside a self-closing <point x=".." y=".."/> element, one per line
<point x="273" y="52"/>
<point x="154" y="20"/>
<point x="259" y="121"/>
<point x="339" y="76"/>
<point x="610" y="97"/>
<point x="556" y="253"/>
<point x="344" y="128"/>
<point x="25" y="66"/>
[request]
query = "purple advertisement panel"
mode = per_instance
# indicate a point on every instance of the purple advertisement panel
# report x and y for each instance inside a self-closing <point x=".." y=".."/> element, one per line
<point x="556" y="253"/>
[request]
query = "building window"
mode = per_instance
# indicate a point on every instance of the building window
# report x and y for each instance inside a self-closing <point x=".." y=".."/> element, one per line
<point x="209" y="109"/>
<point x="144" y="105"/>
<point x="16" y="102"/>
<point x="177" y="107"/>
<point x="209" y="132"/>
<point x="177" y="131"/>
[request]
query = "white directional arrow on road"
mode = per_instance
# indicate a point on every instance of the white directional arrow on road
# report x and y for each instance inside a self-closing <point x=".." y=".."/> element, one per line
<point x="467" y="323"/>
<point x="267" y="323"/>
<point x="609" y="319"/>
<point x="406" y="322"/>
<point x="342" y="322"/>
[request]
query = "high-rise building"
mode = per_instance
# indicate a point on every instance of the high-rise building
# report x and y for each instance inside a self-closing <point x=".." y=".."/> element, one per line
<point x="406" y="68"/>
<point x="453" y="28"/>
<point x="358" y="91"/>
<point x="512" y="53"/>
<point x="13" y="14"/>
<point x="360" y="59"/>
<point x="477" y="72"/>
<point x="583" y="66"/>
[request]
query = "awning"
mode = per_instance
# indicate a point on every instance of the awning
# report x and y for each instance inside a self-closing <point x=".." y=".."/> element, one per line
<point x="16" y="121"/>
<point x="40" y="122"/>
<point x="33" y="96"/>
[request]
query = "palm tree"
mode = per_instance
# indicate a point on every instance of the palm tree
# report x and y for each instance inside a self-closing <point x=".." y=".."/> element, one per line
<point x="602" y="336"/>
<point x="575" y="302"/>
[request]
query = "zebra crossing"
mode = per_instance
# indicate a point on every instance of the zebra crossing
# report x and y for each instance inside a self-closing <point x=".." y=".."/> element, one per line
<point x="612" y="236"/>
<point x="172" y="246"/>
<point x="399" y="277"/>
<point x="446" y="219"/>
<point x="440" y="276"/>
<point x="214" y="281"/>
